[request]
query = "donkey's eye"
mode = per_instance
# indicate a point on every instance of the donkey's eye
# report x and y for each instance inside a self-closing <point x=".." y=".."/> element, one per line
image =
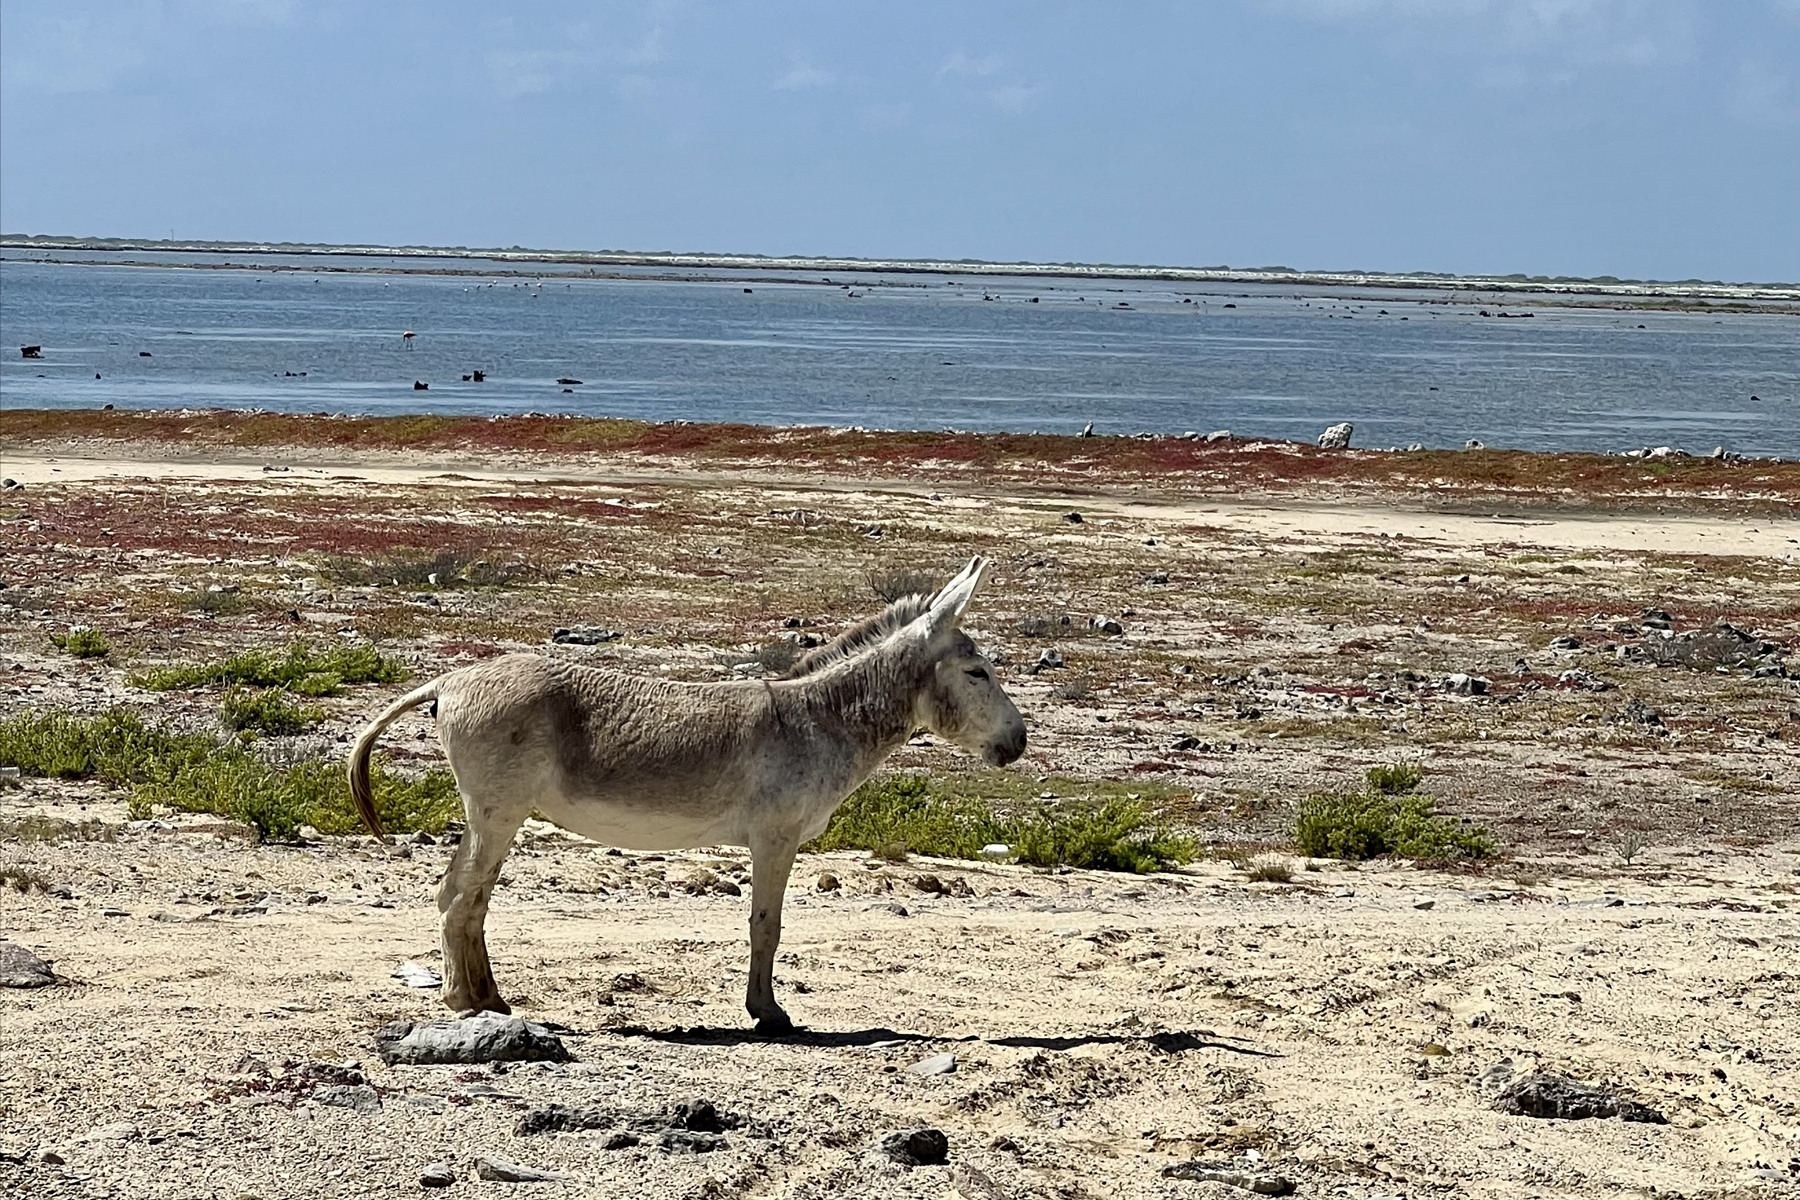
<point x="977" y="673"/>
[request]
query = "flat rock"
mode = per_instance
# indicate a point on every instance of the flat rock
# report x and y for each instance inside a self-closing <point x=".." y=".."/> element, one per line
<point x="484" y="1037"/>
<point x="118" y="1131"/>
<point x="1558" y="1097"/>
<point x="21" y="968"/>
<point x="498" y="1170"/>
<point x="437" y="1174"/>
<point x="359" y="1097"/>
<point x="1721" y="645"/>
<point x="1226" y="1173"/>
<point x="416" y="975"/>
<point x="937" y="1064"/>
<point x="914" y="1147"/>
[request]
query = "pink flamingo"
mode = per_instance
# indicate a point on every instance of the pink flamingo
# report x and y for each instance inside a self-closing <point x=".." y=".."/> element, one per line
<point x="406" y="339"/>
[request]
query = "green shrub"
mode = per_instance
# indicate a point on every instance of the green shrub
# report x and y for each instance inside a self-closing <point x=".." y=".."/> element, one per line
<point x="1372" y="823"/>
<point x="303" y="670"/>
<point x="195" y="772"/>
<point x="1269" y="869"/>
<point x="1396" y="779"/>
<point x="906" y="813"/>
<point x="268" y="711"/>
<point x="82" y="642"/>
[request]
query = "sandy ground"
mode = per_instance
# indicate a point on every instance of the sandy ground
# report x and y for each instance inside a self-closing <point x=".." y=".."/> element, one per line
<point x="1337" y="1027"/>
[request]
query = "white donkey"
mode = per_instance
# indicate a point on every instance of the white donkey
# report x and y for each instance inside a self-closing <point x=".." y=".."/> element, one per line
<point x="650" y="764"/>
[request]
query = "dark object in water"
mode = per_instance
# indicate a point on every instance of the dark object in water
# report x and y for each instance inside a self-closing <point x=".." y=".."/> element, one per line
<point x="567" y="382"/>
<point x="466" y="378"/>
<point x="143" y="354"/>
<point x="33" y="352"/>
<point x="480" y="376"/>
<point x="747" y="291"/>
<point x="1560" y="1098"/>
<point x="421" y="387"/>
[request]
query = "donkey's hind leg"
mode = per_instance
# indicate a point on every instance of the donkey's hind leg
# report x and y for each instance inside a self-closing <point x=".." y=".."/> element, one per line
<point x="463" y="899"/>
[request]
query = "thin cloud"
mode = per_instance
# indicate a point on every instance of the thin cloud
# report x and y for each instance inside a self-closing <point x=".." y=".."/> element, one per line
<point x="803" y="77"/>
<point x="960" y="63"/>
<point x="1015" y="97"/>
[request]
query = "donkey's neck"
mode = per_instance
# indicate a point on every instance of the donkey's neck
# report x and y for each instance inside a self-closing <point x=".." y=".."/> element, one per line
<point x="871" y="701"/>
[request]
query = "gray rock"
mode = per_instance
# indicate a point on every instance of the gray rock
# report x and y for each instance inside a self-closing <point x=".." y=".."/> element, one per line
<point x="118" y="1131"/>
<point x="1425" y="905"/>
<point x="437" y="1174"/>
<point x="360" y="1097"/>
<point x="498" y="1170"/>
<point x="914" y="1147"/>
<point x="1460" y="684"/>
<point x="21" y="968"/>
<point x="1105" y="626"/>
<point x="937" y="1064"/>
<point x="1337" y="437"/>
<point x="1047" y="660"/>
<point x="1721" y="645"/>
<point x="827" y="882"/>
<point x="415" y="975"/>
<point x="1474" y="444"/>
<point x="1073" y="518"/>
<point x="1558" y="1097"/>
<point x="1583" y="680"/>
<point x="1219" y="435"/>
<point x="421" y="838"/>
<point x="484" y="1037"/>
<point x="1226" y="1173"/>
<point x="1186" y="741"/>
<point x="584" y="635"/>
<point x="973" y="1184"/>
<point x="620" y="1141"/>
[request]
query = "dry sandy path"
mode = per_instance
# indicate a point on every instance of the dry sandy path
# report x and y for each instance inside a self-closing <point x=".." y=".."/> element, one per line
<point x="1676" y="534"/>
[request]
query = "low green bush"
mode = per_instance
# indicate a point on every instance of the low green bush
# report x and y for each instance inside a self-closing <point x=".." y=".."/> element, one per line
<point x="1395" y="779"/>
<point x="196" y="772"/>
<point x="909" y="814"/>
<point x="82" y="642"/>
<point x="267" y="711"/>
<point x="1373" y="823"/>
<point x="303" y="670"/>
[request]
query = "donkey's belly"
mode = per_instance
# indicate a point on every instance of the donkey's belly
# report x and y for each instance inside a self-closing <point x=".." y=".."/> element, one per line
<point x="646" y="826"/>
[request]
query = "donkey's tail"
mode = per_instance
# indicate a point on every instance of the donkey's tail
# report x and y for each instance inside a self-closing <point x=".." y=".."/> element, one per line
<point x="360" y="791"/>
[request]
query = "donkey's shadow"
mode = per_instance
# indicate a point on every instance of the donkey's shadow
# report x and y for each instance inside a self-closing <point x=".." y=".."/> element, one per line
<point x="1173" y="1042"/>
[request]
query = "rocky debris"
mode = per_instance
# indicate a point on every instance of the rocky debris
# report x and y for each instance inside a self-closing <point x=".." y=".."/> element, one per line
<point x="359" y="1097"/>
<point x="1558" y="1097"/>
<point x="1073" y="518"/>
<point x="693" y="1125"/>
<point x="20" y="968"/>
<point x="1186" y="741"/>
<point x="1582" y="680"/>
<point x="1567" y="641"/>
<point x="1337" y="437"/>
<point x="1226" y="1173"/>
<point x="914" y="1148"/>
<point x="1474" y="444"/>
<point x="421" y="838"/>
<point x="117" y="1131"/>
<point x="437" y="1174"/>
<point x="1157" y="577"/>
<point x="1105" y="626"/>
<point x="1639" y="713"/>
<point x="937" y="1064"/>
<point x="1048" y="660"/>
<point x="891" y="906"/>
<point x="1656" y="618"/>
<point x="584" y="635"/>
<point x="1425" y="905"/>
<point x="498" y="1170"/>
<point x="484" y="1037"/>
<point x="827" y="882"/>
<point x="415" y="975"/>
<point x="1720" y="646"/>
<point x="1218" y="435"/>
<point x="1459" y="684"/>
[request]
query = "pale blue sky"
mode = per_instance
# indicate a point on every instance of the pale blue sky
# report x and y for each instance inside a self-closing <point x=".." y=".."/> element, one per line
<point x="1655" y="138"/>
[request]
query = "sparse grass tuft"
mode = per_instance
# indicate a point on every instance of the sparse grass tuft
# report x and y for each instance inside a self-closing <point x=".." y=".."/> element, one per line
<point x="82" y="642"/>
<point x="909" y="814"/>
<point x="775" y="658"/>
<point x="34" y="827"/>
<point x="267" y="711"/>
<point x="1269" y="869"/>
<point x="900" y="582"/>
<point x="442" y="569"/>
<point x="303" y="670"/>
<point x="23" y="879"/>
<point x="215" y="604"/>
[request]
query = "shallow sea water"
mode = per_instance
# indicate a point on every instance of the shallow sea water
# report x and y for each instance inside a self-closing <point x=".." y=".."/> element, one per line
<point x="890" y="351"/>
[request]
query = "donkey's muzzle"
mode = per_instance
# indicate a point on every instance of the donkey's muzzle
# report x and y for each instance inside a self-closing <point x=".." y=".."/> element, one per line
<point x="1007" y="749"/>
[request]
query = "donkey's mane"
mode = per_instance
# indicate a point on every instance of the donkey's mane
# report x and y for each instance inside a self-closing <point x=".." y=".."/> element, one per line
<point x="861" y="636"/>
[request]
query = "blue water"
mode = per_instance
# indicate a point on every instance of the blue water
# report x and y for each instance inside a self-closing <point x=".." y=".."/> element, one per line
<point x="892" y="351"/>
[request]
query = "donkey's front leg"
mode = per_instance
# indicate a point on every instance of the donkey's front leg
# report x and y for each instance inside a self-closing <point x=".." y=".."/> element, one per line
<point x="769" y="869"/>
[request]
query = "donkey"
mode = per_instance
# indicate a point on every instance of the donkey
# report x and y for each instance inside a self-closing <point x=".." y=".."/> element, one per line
<point x="650" y="764"/>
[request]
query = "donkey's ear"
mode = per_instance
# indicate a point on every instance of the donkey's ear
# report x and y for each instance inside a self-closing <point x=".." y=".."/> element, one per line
<point x="948" y="605"/>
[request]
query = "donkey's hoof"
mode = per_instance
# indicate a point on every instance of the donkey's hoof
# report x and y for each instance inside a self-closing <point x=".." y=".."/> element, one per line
<point x="774" y="1025"/>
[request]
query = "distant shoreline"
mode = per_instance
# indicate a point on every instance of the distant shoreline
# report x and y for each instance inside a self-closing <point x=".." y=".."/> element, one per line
<point x="1604" y="286"/>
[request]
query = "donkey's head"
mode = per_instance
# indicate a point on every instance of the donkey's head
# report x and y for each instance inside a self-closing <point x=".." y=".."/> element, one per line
<point x="962" y="701"/>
